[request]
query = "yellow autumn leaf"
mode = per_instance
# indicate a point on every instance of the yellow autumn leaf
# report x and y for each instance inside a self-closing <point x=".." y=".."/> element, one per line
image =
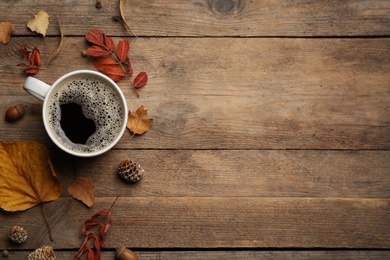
<point x="138" y="123"/>
<point x="40" y="23"/>
<point x="27" y="176"/>
<point x="5" y="32"/>
<point x="82" y="189"/>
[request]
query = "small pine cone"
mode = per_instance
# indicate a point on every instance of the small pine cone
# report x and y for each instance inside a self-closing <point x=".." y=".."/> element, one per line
<point x="42" y="253"/>
<point x="130" y="171"/>
<point x="17" y="234"/>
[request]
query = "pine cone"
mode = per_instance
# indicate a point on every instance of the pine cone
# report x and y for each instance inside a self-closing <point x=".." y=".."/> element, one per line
<point x="17" y="234"/>
<point x="130" y="171"/>
<point x="42" y="253"/>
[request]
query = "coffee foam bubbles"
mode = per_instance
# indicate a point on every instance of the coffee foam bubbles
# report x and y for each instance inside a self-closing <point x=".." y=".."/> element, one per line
<point x="99" y="102"/>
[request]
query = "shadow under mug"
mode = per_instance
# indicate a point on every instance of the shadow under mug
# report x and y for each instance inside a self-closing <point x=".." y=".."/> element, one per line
<point x="96" y="94"/>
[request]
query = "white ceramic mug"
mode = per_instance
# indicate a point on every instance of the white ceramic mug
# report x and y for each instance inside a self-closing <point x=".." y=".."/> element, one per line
<point x="100" y="100"/>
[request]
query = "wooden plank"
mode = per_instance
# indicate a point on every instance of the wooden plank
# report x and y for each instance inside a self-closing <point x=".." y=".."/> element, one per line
<point x="235" y="93"/>
<point x="232" y="255"/>
<point x="210" y="18"/>
<point x="213" y="223"/>
<point x="238" y="173"/>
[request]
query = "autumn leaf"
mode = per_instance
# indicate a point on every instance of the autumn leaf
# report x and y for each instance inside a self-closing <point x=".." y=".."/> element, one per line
<point x="122" y="50"/>
<point x="82" y="189"/>
<point x="27" y="176"/>
<point x="39" y="23"/>
<point x="102" y="62"/>
<point x="109" y="43"/>
<point x="139" y="124"/>
<point x="34" y="61"/>
<point x="95" y="36"/>
<point x="140" y="80"/>
<point x="114" y="73"/>
<point x="96" y="51"/>
<point x="6" y="30"/>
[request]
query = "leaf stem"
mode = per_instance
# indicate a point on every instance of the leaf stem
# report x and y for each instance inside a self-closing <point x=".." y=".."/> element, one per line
<point x="47" y="222"/>
<point x="123" y="68"/>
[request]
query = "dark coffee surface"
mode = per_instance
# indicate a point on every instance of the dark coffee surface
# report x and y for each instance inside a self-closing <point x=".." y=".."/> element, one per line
<point x="76" y="126"/>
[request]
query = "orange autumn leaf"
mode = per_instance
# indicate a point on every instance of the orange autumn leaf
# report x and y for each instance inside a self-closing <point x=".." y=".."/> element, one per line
<point x="5" y="32"/>
<point x="82" y="189"/>
<point x="139" y="124"/>
<point x="27" y="176"/>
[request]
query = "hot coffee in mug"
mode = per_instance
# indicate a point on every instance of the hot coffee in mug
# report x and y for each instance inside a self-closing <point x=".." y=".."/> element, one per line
<point x="84" y="112"/>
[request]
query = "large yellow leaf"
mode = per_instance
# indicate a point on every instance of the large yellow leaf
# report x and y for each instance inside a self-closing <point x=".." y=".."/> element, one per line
<point x="40" y="23"/>
<point x="27" y="176"/>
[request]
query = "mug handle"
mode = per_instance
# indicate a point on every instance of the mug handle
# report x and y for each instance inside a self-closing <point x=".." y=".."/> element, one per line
<point x="36" y="88"/>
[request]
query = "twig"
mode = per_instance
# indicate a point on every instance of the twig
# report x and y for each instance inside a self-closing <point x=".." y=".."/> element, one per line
<point x="47" y="223"/>
<point x="55" y="53"/>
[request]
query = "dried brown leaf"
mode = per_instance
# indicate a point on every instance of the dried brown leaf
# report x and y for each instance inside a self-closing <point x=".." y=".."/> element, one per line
<point x="27" y="176"/>
<point x="39" y="23"/>
<point x="6" y="30"/>
<point x="139" y="123"/>
<point x="82" y="189"/>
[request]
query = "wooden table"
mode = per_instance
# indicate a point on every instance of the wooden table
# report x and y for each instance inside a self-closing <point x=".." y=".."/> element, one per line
<point x="271" y="130"/>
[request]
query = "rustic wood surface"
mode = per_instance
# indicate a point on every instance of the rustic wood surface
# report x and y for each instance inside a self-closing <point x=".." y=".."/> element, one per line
<point x="271" y="132"/>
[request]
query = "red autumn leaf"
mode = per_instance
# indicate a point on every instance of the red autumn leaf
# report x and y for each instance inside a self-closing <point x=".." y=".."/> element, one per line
<point x="109" y="43"/>
<point x="25" y="52"/>
<point x="23" y="65"/>
<point x="96" y="51"/>
<point x="96" y="37"/>
<point x="101" y="62"/>
<point x="140" y="80"/>
<point x="31" y="71"/>
<point x="114" y="73"/>
<point x="88" y="225"/>
<point x="122" y="50"/>
<point x="129" y="70"/>
<point x="91" y="254"/>
<point x="35" y="59"/>
<point x="96" y="243"/>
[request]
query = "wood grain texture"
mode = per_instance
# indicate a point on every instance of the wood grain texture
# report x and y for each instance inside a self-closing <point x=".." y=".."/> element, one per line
<point x="219" y="222"/>
<point x="237" y="173"/>
<point x="266" y="94"/>
<point x="210" y="17"/>
<point x="271" y="133"/>
<point x="231" y="255"/>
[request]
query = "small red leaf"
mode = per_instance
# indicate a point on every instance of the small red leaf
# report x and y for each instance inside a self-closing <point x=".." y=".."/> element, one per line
<point x="140" y="80"/>
<point x="96" y="51"/>
<point x="35" y="58"/>
<point x="32" y="71"/>
<point x="96" y="243"/>
<point x="101" y="62"/>
<point x="25" y="52"/>
<point x="91" y="254"/>
<point x="129" y="69"/>
<point x="109" y="43"/>
<point x="122" y="50"/>
<point x="114" y="73"/>
<point x="96" y="37"/>
<point x="23" y="65"/>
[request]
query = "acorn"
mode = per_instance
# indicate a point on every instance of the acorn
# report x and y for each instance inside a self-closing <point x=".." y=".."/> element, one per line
<point x="15" y="113"/>
<point x="123" y="253"/>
